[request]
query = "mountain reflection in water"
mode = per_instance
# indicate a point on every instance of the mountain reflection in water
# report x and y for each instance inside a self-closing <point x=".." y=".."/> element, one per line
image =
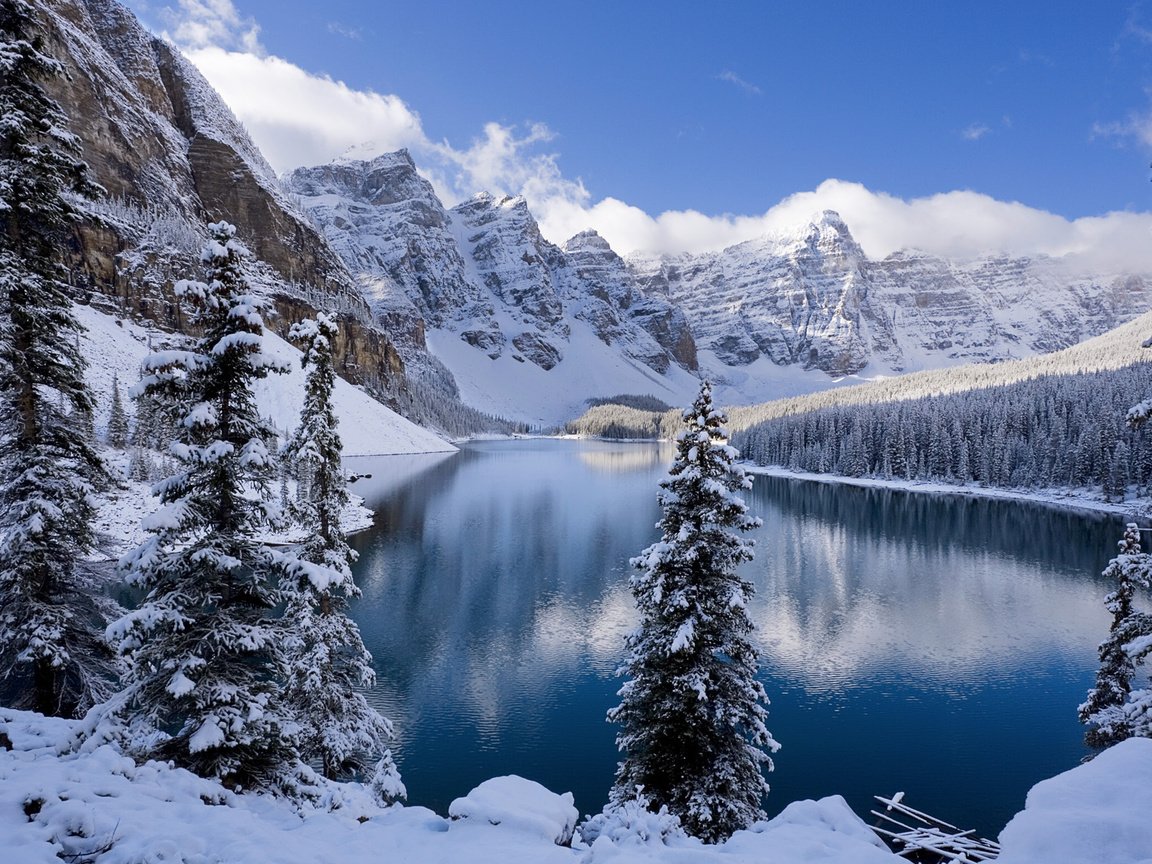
<point x="937" y="645"/>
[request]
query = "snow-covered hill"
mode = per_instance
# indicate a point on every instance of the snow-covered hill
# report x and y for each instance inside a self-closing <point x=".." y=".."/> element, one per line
<point x="114" y="348"/>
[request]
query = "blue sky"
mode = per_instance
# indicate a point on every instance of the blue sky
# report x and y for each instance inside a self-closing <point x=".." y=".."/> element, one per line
<point x="713" y="113"/>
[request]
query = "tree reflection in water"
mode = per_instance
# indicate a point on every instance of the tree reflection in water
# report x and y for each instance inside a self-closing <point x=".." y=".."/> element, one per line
<point x="905" y="638"/>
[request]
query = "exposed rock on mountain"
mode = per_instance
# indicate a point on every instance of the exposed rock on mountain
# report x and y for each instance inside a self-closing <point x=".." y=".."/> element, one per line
<point x="158" y="136"/>
<point x="171" y="158"/>
<point x="616" y="299"/>
<point x="483" y="274"/>
<point x="812" y="298"/>
<point x="393" y="233"/>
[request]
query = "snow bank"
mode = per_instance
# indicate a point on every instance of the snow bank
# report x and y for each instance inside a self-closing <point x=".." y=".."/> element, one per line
<point x="100" y="807"/>
<point x="813" y="832"/>
<point x="520" y="805"/>
<point x="1097" y="813"/>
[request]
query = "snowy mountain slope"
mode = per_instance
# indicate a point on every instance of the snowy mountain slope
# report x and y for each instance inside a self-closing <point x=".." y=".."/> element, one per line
<point x="115" y="347"/>
<point x="482" y="275"/>
<point x="1115" y="349"/>
<point x="779" y="315"/>
<point x="514" y="388"/>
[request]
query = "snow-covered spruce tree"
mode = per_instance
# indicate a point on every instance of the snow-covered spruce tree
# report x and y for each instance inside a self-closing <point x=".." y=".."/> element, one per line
<point x="327" y="660"/>
<point x="53" y="657"/>
<point x="1104" y="711"/>
<point x="207" y="658"/>
<point x="117" y="419"/>
<point x="692" y="712"/>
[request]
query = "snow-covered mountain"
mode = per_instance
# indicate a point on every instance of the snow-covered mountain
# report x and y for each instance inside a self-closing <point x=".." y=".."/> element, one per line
<point x="172" y="157"/>
<point x="780" y="315"/>
<point x="812" y="298"/>
<point x="529" y="330"/>
<point x="473" y="303"/>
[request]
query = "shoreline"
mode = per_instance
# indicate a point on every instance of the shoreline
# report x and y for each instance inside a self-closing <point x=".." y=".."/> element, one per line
<point x="1061" y="499"/>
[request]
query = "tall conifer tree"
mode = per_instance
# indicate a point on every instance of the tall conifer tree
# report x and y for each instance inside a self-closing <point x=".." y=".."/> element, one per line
<point x="327" y="660"/>
<point x="52" y="654"/>
<point x="1114" y="709"/>
<point x="692" y="712"/>
<point x="206" y="655"/>
<point x="117" y="419"/>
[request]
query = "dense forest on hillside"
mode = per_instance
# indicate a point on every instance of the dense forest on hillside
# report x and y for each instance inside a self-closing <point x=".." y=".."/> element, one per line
<point x="1047" y="432"/>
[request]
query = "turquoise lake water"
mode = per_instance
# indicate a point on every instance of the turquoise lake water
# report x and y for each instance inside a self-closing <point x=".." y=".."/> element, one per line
<point x="934" y="645"/>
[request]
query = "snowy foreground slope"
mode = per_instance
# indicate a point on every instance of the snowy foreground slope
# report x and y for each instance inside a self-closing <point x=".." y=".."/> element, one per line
<point x="367" y="428"/>
<point x="98" y="806"/>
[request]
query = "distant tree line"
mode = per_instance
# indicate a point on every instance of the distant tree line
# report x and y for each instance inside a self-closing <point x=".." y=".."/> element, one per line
<point x="641" y="402"/>
<point x="1054" y="431"/>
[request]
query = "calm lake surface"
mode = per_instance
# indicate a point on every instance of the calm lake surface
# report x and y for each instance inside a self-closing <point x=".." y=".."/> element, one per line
<point x="933" y="645"/>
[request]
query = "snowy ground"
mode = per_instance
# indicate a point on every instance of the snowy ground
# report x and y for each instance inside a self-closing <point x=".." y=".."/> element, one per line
<point x="115" y="347"/>
<point x="1066" y="499"/>
<point x="60" y="802"/>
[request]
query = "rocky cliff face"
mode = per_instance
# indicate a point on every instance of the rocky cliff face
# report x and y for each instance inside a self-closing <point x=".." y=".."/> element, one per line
<point x="393" y="233"/>
<point x="482" y="271"/>
<point x="158" y="136"/>
<point x="172" y="157"/>
<point x="813" y="299"/>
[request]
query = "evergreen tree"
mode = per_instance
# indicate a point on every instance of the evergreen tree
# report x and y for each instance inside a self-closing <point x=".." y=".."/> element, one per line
<point x="117" y="419"/>
<point x="207" y="659"/>
<point x="52" y="654"/>
<point x="327" y="660"/>
<point x="1107" y="710"/>
<point x="692" y="712"/>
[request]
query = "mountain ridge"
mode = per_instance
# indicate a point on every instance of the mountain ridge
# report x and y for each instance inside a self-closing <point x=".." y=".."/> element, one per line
<point x="781" y="314"/>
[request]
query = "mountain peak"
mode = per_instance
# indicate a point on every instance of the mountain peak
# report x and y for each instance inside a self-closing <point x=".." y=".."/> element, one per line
<point x="826" y="232"/>
<point x="828" y="217"/>
<point x="369" y="152"/>
<point x="587" y="240"/>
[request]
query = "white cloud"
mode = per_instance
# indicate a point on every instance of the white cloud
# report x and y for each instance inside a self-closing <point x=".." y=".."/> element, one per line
<point x="958" y="225"/>
<point x="1137" y="127"/>
<point x="974" y="131"/>
<point x="338" y="29"/>
<point x="299" y="118"/>
<point x="732" y="78"/>
<point x="203" y="23"/>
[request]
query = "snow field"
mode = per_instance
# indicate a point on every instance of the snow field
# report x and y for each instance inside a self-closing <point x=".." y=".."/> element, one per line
<point x="58" y="800"/>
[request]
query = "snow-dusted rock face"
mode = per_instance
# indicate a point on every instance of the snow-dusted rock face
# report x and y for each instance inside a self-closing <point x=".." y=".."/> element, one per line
<point x="391" y="230"/>
<point x="615" y="301"/>
<point x="483" y="271"/>
<point x="511" y="260"/>
<point x="157" y="135"/>
<point x="813" y="298"/>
